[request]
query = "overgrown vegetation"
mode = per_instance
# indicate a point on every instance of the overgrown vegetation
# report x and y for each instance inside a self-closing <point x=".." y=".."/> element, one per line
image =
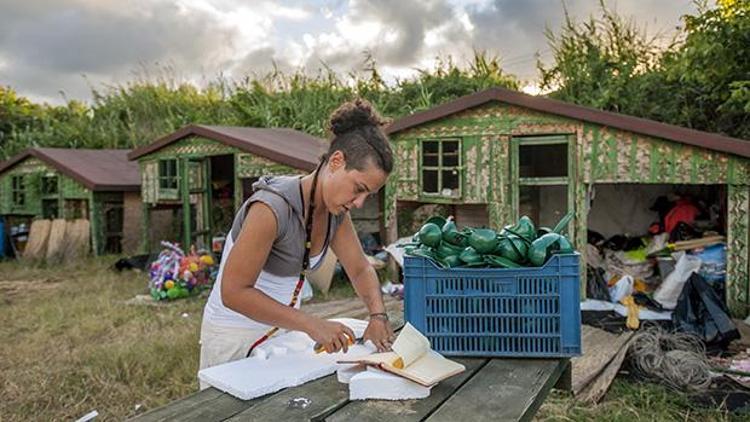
<point x="138" y="112"/>
<point x="699" y="78"/>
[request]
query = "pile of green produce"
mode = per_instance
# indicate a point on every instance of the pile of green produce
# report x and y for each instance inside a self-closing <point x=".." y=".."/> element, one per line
<point x="515" y="246"/>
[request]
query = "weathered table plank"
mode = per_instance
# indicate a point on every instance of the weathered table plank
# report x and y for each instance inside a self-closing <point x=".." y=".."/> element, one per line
<point x="325" y="394"/>
<point x="408" y="410"/>
<point x="179" y="407"/>
<point x="502" y="390"/>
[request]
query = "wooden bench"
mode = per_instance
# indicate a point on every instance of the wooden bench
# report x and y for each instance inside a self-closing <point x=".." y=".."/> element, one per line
<point x="489" y="390"/>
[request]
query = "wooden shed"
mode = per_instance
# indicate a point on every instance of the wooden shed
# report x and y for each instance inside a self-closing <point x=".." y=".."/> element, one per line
<point x="99" y="185"/>
<point x="197" y="177"/>
<point x="498" y="154"/>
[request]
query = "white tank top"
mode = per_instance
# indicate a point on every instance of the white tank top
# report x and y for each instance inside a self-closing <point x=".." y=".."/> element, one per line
<point x="279" y="288"/>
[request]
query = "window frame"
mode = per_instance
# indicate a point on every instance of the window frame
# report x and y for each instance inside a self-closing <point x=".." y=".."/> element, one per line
<point x="18" y="190"/>
<point x="519" y="182"/>
<point x="44" y="184"/>
<point x="173" y="180"/>
<point x="440" y="167"/>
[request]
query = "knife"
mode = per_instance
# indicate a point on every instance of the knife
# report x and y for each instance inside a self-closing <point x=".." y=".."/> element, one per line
<point x="319" y="348"/>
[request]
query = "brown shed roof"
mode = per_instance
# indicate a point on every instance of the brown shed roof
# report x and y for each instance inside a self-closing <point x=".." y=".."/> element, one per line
<point x="648" y="127"/>
<point x="285" y="146"/>
<point x="97" y="169"/>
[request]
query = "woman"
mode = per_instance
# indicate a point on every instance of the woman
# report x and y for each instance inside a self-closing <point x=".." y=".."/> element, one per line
<point x="287" y="226"/>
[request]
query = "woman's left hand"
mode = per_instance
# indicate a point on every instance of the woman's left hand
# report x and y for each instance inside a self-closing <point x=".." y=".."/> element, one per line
<point x="380" y="333"/>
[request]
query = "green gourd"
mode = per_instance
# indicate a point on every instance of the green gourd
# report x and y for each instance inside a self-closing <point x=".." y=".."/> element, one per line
<point x="512" y="247"/>
<point x="451" y="233"/>
<point x="543" y="247"/>
<point x="483" y="240"/>
<point x="470" y="256"/>
<point x="452" y="261"/>
<point x="523" y="228"/>
<point x="430" y="234"/>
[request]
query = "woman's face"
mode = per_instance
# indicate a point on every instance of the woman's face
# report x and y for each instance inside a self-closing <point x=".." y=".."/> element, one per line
<point x="346" y="189"/>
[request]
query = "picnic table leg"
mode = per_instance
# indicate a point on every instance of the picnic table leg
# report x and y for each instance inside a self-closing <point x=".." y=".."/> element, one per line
<point x="565" y="382"/>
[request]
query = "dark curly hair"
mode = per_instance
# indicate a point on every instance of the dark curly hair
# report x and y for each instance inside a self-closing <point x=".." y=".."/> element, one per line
<point x="357" y="133"/>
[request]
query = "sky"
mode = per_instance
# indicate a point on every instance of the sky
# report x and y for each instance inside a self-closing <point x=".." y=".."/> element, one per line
<point x="53" y="50"/>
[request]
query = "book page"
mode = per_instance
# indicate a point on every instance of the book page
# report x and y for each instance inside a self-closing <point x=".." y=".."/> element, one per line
<point x="432" y="368"/>
<point x="410" y="344"/>
<point x="387" y="358"/>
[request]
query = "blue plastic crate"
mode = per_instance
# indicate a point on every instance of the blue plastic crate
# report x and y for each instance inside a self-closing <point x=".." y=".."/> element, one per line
<point x="513" y="312"/>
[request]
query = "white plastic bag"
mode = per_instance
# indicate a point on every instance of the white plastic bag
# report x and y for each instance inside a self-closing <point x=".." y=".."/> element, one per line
<point x="670" y="289"/>
<point x="621" y="289"/>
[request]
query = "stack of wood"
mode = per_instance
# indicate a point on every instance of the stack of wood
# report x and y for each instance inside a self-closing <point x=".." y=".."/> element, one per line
<point x="58" y="240"/>
<point x="603" y="355"/>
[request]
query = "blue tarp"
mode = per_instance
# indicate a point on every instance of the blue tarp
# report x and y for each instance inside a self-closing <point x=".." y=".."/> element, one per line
<point x="2" y="238"/>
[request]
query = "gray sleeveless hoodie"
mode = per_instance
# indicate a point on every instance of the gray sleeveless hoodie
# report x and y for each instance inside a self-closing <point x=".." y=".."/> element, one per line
<point x="283" y="195"/>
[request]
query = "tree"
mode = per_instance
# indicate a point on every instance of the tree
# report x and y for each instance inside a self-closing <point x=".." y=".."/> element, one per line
<point x="700" y="79"/>
<point x="600" y="62"/>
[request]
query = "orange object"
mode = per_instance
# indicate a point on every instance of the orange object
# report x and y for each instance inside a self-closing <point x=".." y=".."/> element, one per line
<point x="633" y="322"/>
<point x="319" y="348"/>
<point x="640" y="286"/>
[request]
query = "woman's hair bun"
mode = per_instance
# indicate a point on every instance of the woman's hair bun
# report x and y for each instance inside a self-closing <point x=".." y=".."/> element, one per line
<point x="354" y="115"/>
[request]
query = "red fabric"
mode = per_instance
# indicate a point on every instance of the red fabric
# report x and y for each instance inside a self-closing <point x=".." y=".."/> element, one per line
<point x="683" y="211"/>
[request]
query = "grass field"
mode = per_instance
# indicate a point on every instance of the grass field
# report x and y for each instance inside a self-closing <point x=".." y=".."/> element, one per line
<point x="71" y="344"/>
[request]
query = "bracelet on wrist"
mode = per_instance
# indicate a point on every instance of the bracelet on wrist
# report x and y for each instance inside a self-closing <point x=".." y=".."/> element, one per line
<point x="379" y="315"/>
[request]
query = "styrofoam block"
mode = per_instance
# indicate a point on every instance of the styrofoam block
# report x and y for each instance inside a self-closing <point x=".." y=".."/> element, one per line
<point x="260" y="354"/>
<point x="377" y="384"/>
<point x="266" y="372"/>
<point x="345" y="372"/>
<point x="278" y="351"/>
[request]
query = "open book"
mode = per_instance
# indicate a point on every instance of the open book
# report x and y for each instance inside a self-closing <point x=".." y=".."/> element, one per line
<point x="412" y="358"/>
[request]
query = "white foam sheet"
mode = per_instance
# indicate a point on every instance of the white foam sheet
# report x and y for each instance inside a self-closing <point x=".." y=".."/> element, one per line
<point x="286" y="360"/>
<point x="345" y="372"/>
<point x="376" y="384"/>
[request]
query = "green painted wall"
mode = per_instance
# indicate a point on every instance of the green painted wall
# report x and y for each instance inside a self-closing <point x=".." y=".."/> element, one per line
<point x="199" y="148"/>
<point x="33" y="170"/>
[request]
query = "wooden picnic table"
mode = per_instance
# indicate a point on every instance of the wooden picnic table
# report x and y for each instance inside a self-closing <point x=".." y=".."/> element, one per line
<point x="489" y="390"/>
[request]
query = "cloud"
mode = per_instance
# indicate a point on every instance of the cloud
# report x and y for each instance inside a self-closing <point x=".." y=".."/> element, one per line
<point x="52" y="45"/>
<point x="47" y="46"/>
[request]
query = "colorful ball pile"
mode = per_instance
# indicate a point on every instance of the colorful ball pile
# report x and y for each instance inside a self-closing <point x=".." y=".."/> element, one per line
<point x="175" y="274"/>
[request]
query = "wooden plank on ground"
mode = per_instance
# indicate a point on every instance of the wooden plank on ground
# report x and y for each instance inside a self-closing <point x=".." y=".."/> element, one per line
<point x="408" y="410"/>
<point x="502" y="390"/>
<point x="77" y="240"/>
<point x="599" y="348"/>
<point x="36" y="247"/>
<point x="598" y="388"/>
<point x="56" y="242"/>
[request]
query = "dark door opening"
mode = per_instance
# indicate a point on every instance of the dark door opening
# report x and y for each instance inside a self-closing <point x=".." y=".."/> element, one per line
<point x="222" y="193"/>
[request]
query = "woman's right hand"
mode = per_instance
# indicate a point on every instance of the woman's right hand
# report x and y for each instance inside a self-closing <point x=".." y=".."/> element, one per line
<point x="332" y="335"/>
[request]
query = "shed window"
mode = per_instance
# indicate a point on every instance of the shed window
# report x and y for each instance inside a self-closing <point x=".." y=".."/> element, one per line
<point x="542" y="178"/>
<point x="49" y="185"/>
<point x="546" y="160"/>
<point x="441" y="167"/>
<point x="168" y="174"/>
<point x="18" y="190"/>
